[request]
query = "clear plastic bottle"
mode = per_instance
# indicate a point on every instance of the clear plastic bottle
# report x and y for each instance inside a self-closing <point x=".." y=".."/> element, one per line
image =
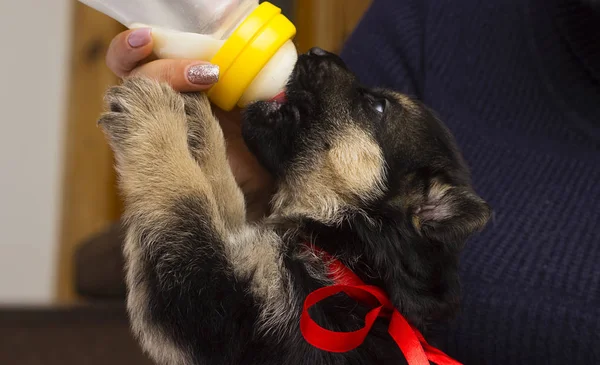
<point x="251" y="43"/>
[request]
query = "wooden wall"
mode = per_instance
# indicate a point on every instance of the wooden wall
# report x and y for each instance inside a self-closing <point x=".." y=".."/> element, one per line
<point x="89" y="196"/>
<point x="327" y="23"/>
<point x="90" y="200"/>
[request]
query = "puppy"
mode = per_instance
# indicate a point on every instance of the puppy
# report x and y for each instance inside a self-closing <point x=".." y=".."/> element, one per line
<point x="367" y="175"/>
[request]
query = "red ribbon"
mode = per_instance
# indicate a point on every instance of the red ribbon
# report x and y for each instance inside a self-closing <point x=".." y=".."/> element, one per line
<point x="411" y="342"/>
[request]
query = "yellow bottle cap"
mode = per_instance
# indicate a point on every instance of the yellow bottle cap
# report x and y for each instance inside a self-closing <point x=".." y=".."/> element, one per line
<point x="247" y="51"/>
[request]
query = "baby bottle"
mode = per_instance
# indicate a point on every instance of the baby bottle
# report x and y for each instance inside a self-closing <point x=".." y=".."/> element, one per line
<point x="251" y="43"/>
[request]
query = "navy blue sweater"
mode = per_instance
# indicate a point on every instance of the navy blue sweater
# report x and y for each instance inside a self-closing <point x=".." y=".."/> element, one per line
<point x="518" y="82"/>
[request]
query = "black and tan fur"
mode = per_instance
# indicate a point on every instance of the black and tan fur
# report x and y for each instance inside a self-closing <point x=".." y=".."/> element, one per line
<point x="368" y="175"/>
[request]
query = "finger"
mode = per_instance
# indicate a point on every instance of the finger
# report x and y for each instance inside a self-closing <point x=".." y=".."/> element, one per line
<point x="128" y="49"/>
<point x="182" y="75"/>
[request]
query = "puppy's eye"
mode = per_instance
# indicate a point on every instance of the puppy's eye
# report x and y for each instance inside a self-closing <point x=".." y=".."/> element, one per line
<point x="374" y="102"/>
<point x="378" y="106"/>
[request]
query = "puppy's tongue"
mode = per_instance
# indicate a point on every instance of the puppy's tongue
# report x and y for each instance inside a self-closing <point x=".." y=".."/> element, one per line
<point x="279" y="98"/>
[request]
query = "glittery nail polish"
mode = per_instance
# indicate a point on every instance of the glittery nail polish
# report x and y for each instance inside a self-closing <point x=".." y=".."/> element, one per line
<point x="203" y="74"/>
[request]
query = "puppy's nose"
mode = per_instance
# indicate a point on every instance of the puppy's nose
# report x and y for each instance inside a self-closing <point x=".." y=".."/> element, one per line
<point x="316" y="51"/>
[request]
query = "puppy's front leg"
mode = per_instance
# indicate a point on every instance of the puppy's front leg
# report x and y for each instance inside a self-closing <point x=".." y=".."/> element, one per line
<point x="207" y="146"/>
<point x="197" y="276"/>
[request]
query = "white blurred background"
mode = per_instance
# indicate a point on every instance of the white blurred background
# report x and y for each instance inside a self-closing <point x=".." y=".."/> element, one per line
<point x="35" y="41"/>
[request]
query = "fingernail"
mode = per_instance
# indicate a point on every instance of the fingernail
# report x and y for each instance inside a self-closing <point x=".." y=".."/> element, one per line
<point x="139" y="37"/>
<point x="203" y="74"/>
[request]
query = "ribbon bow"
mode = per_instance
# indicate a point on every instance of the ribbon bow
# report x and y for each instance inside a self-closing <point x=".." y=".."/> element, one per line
<point x="410" y="341"/>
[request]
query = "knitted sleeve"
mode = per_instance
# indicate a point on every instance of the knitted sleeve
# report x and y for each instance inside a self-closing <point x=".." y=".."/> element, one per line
<point x="386" y="48"/>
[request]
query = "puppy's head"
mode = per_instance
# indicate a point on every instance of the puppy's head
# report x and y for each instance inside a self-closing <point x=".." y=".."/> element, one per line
<point x="346" y="156"/>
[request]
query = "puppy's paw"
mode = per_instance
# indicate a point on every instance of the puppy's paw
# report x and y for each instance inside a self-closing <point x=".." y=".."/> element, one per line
<point x="141" y="112"/>
<point x="205" y="136"/>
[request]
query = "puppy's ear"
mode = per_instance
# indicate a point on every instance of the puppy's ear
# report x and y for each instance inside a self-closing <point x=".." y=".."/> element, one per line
<point x="450" y="214"/>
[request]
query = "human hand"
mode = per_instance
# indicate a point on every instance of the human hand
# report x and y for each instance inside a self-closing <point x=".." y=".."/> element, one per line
<point x="130" y="53"/>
